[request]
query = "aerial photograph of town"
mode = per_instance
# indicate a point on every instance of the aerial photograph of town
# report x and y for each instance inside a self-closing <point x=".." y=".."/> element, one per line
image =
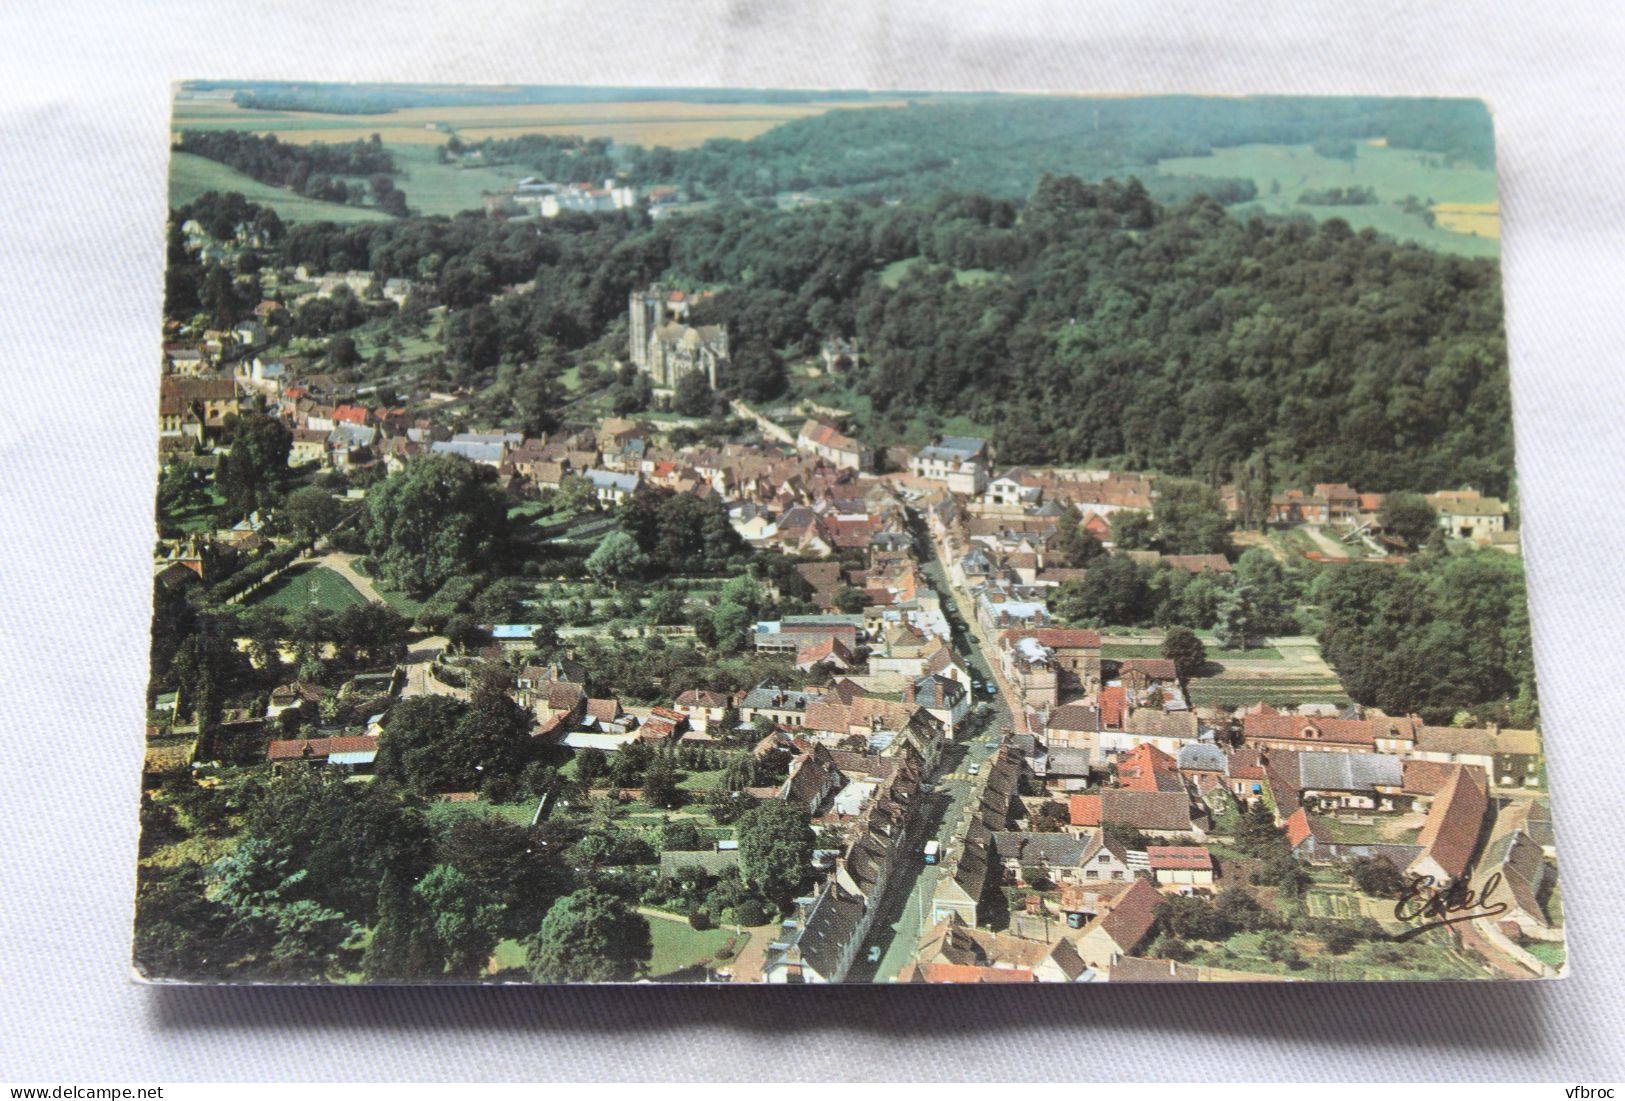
<point x="750" y="536"/>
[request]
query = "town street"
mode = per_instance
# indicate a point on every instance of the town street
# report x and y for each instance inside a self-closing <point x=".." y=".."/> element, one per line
<point x="905" y="907"/>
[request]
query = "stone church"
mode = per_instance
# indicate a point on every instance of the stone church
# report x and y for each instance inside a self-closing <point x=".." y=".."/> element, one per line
<point x="666" y="347"/>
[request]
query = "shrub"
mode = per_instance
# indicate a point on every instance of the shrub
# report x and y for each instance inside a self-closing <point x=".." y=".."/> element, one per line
<point x="700" y="920"/>
<point x="499" y="789"/>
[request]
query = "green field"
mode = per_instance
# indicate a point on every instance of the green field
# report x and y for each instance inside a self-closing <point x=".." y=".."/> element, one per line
<point x="300" y="588"/>
<point x="435" y="188"/>
<point x="1283" y="172"/>
<point x="191" y="176"/>
<point x="677" y="947"/>
<point x="1123" y="651"/>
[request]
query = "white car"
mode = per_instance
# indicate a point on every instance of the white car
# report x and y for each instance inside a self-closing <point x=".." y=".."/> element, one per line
<point x="976" y="767"/>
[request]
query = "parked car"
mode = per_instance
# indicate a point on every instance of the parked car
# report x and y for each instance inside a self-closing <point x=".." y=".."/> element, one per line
<point x="874" y="954"/>
<point x="975" y="767"/>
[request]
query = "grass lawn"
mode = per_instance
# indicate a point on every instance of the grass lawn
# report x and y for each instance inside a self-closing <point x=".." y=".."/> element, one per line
<point x="190" y="176"/>
<point x="200" y="517"/>
<point x="519" y="813"/>
<point x="893" y="274"/>
<point x="508" y="954"/>
<point x="1355" y="833"/>
<point x="678" y="948"/>
<point x="300" y="588"/>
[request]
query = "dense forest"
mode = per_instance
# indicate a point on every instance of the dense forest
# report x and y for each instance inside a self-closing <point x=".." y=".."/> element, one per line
<point x="1000" y="145"/>
<point x="312" y="170"/>
<point x="1106" y="327"/>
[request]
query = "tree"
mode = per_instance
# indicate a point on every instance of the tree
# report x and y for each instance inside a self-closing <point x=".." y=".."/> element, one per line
<point x="250" y="473"/>
<point x="1240" y="623"/>
<point x="439" y="517"/>
<point x="849" y="600"/>
<point x="680" y="837"/>
<point x="660" y="785"/>
<point x="311" y="511"/>
<point x="465" y="920"/>
<point x="740" y="773"/>
<point x="1112" y="591"/>
<point x="693" y="395"/>
<point x="775" y="849"/>
<point x="616" y="557"/>
<point x="1073" y="545"/>
<point x="1408" y="517"/>
<point x="1377" y="877"/>
<point x="520" y="869"/>
<point x="1181" y="646"/>
<point x="1190" y="518"/>
<point x="1133" y="531"/>
<point x="589" y="766"/>
<point x="1257" y="834"/>
<point x="589" y="936"/>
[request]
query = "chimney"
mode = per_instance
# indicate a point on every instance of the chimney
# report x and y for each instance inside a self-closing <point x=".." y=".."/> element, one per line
<point x="908" y="696"/>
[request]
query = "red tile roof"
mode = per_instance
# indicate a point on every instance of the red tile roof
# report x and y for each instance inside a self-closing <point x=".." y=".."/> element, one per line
<point x="1112" y="705"/>
<point x="1179" y="857"/>
<point x="319" y="749"/>
<point x="1450" y="834"/>
<point x="1153" y="668"/>
<point x="970" y="973"/>
<point x="1131" y="915"/>
<point x="1147" y="768"/>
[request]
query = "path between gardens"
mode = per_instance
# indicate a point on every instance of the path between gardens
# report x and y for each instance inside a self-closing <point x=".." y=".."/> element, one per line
<point x="768" y="427"/>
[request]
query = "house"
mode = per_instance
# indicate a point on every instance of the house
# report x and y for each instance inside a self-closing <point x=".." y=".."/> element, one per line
<point x="1123" y="927"/>
<point x="1511" y="758"/>
<point x="1169" y="731"/>
<point x="1297" y="507"/>
<point x="611" y="488"/>
<point x="1049" y="664"/>
<point x="1158" y="813"/>
<point x="966" y="874"/>
<point x="1467" y="514"/>
<point x="783" y="706"/>
<point x="813" y="779"/>
<point x="827" y="652"/>
<point x="955" y="461"/>
<point x="946" y="700"/>
<point x="827" y="442"/>
<point x="703" y="708"/>
<point x="1342" y="502"/>
<point x="1180" y="865"/>
<point x="1340" y="781"/>
<point x="1377" y="734"/>
<point x="355" y="754"/>
<point x="1075" y="726"/>
<point x="1139" y="674"/>
<point x="1068" y="858"/>
<point x="820" y="942"/>
<point x="1526" y="877"/>
<point x="1147" y="768"/>
<point x="1449" y="837"/>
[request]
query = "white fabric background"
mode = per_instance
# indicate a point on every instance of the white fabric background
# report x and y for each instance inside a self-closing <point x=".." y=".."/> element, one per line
<point x="84" y="94"/>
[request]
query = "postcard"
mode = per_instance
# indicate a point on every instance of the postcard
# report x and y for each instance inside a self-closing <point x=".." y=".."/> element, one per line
<point x="742" y="536"/>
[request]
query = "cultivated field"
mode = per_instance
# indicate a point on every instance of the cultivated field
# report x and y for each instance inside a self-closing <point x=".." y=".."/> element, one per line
<point x="675" y="124"/>
<point x="1464" y="198"/>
